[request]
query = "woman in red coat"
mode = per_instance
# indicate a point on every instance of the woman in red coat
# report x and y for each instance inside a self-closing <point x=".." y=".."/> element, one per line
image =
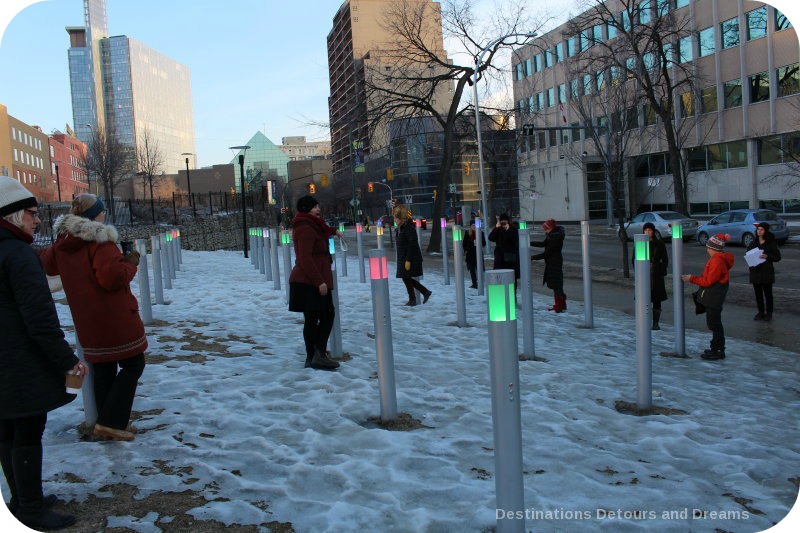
<point x="96" y="277"/>
<point x="311" y="281"/>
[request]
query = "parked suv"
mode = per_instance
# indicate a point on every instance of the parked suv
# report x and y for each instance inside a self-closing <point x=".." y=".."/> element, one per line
<point x="740" y="224"/>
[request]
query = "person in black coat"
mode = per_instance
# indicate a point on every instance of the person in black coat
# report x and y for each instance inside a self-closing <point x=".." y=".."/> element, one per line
<point x="470" y="252"/>
<point x="506" y="250"/>
<point x="762" y="276"/>
<point x="553" y="263"/>
<point x="659" y="261"/>
<point x="34" y="356"/>
<point x="409" y="255"/>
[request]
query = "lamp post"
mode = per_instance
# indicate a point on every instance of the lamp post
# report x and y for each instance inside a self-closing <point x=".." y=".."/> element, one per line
<point x="478" y="62"/>
<point x="189" y="183"/>
<point x="243" y="149"/>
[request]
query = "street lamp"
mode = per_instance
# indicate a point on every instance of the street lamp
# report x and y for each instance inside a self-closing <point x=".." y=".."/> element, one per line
<point x="189" y="183"/>
<point x="242" y="149"/>
<point x="478" y="61"/>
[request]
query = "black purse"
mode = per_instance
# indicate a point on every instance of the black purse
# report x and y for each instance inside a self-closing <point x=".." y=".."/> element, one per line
<point x="699" y="308"/>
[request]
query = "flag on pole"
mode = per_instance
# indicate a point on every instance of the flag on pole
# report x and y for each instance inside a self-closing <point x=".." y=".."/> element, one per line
<point x="563" y="115"/>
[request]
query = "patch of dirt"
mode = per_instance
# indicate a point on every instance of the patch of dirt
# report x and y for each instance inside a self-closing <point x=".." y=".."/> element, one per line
<point x="607" y="470"/>
<point x="123" y="499"/>
<point x="153" y="359"/>
<point x="403" y="422"/>
<point x="523" y="357"/>
<point x="744" y="502"/>
<point x="629" y="408"/>
<point x="480" y="473"/>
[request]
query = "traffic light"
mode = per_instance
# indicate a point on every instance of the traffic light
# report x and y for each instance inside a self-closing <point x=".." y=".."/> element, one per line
<point x="323" y="180"/>
<point x="389" y="174"/>
<point x="467" y="170"/>
<point x="312" y="188"/>
<point x="370" y="187"/>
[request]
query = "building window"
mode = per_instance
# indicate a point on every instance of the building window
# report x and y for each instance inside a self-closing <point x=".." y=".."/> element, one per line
<point x="706" y="39"/>
<point x="539" y="100"/>
<point x="586" y="39"/>
<point x="662" y="7"/>
<point x="626" y="21"/>
<point x="685" y="50"/>
<point x="730" y="33"/>
<point x="756" y="23"/>
<point x="558" y="52"/>
<point x="708" y="99"/>
<point x="587" y="84"/>
<point x="518" y="71"/>
<point x="551" y="99"/>
<point x="779" y="149"/>
<point x="528" y="67"/>
<point x="788" y="80"/>
<point x="781" y="22"/>
<point x="600" y="80"/>
<point x="532" y="104"/>
<point x="686" y="105"/>
<point x="572" y="47"/>
<point x="733" y="93"/>
<point x="562" y="93"/>
<point x="597" y="33"/>
<point x="548" y="59"/>
<point x="681" y="3"/>
<point x="759" y="87"/>
<point x="537" y="62"/>
<point x="611" y="28"/>
<point x="649" y="115"/>
<point x="573" y="89"/>
<point x="644" y="12"/>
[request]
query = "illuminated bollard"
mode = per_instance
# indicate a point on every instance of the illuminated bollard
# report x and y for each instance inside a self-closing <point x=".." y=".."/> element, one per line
<point x="644" y="370"/>
<point x="87" y="390"/>
<point x="173" y="233"/>
<point x="251" y="238"/>
<point x="344" y="252"/>
<point x="276" y="269"/>
<point x="286" y="244"/>
<point x="677" y="290"/>
<point x="526" y="293"/>
<point x="170" y="257"/>
<point x="506" y="422"/>
<point x="479" y="253"/>
<point x="445" y="260"/>
<point x="379" y="234"/>
<point x="265" y="244"/>
<point x="382" y="320"/>
<point x="144" y="282"/>
<point x="418" y="228"/>
<point x="458" y="263"/>
<point x="259" y="249"/>
<point x="158" y="287"/>
<point x="336" y="332"/>
<point x="362" y="276"/>
<point x="165" y="262"/>
<point x="588" y="320"/>
<point x="178" y="245"/>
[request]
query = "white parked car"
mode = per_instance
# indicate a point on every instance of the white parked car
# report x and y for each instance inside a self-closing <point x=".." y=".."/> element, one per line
<point x="663" y="221"/>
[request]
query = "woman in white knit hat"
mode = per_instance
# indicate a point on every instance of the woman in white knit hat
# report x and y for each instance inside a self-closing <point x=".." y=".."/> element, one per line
<point x="34" y="356"/>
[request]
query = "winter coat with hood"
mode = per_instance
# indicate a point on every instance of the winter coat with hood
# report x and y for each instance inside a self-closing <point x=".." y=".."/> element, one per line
<point x="34" y="355"/>
<point x="408" y="250"/>
<point x="313" y="258"/>
<point x="764" y="273"/>
<point x="714" y="280"/>
<point x="553" y="261"/>
<point x="96" y="281"/>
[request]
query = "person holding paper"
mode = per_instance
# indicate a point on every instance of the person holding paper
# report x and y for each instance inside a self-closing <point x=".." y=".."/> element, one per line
<point x="762" y="275"/>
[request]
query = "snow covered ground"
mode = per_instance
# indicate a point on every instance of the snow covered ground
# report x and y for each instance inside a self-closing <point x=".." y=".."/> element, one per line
<point x="226" y="409"/>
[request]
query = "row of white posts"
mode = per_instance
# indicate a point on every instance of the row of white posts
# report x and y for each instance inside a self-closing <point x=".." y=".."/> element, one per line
<point x="167" y="258"/>
<point x="502" y="323"/>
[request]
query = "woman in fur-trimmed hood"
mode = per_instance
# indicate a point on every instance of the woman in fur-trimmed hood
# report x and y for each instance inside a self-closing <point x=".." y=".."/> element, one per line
<point x="96" y="277"/>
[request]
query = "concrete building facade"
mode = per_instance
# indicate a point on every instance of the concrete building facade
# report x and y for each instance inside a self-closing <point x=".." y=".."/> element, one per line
<point x="298" y="148"/>
<point x="742" y="139"/>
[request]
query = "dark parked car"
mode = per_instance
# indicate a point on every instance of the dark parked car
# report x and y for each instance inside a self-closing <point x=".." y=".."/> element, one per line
<point x="423" y="222"/>
<point x="740" y="224"/>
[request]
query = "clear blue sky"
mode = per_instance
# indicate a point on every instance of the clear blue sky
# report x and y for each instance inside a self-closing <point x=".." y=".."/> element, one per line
<point x="255" y="64"/>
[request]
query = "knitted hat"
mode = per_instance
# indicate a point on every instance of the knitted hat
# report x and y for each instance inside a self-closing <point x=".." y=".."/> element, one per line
<point x="306" y="203"/>
<point x="764" y="225"/>
<point x="505" y="217"/>
<point x="14" y="196"/>
<point x="649" y="225"/>
<point x="549" y="225"/>
<point x="717" y="242"/>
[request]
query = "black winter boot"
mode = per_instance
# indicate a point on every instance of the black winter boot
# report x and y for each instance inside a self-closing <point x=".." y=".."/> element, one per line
<point x="31" y="510"/>
<point x="656" y="317"/>
<point x="322" y="362"/>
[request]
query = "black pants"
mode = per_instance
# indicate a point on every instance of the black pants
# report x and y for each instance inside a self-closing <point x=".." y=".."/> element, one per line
<point x="763" y="295"/>
<point x="473" y="273"/>
<point x="714" y="323"/>
<point x="114" y="388"/>
<point x="21" y="432"/>
<point x="412" y="284"/>
<point x="318" y="326"/>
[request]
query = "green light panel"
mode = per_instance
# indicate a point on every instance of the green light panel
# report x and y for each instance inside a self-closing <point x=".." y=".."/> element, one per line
<point x="677" y="231"/>
<point x="642" y="252"/>
<point x="458" y="235"/>
<point x="523" y="224"/>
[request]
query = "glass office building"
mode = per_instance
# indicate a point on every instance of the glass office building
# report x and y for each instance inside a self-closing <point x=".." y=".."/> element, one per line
<point x="263" y="162"/>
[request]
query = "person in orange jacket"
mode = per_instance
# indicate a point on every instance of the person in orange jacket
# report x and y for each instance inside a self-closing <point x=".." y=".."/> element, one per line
<point x="713" y="289"/>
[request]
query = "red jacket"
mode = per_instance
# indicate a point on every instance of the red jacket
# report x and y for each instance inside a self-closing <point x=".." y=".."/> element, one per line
<point x="716" y="270"/>
<point x="97" y="283"/>
<point x="312" y="264"/>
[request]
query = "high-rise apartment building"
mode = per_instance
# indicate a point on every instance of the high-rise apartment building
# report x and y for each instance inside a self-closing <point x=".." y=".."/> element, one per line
<point x="127" y="88"/>
<point x="740" y="140"/>
<point x="298" y="148"/>
<point x="354" y="45"/>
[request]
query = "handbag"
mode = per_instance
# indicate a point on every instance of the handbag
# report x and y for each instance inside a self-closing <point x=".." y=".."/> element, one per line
<point x="699" y="308"/>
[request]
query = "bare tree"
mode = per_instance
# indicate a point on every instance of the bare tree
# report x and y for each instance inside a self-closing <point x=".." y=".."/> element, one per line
<point x="149" y="161"/>
<point x="109" y="161"/>
<point x="413" y="77"/>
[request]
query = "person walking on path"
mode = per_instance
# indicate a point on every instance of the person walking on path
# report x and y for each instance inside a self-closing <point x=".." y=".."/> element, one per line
<point x="659" y="261"/>
<point x="96" y="277"/>
<point x="311" y="281"/>
<point x="470" y="253"/>
<point x="35" y="358"/>
<point x="553" y="275"/>
<point x="506" y="249"/>
<point x="713" y="289"/>
<point x="409" y="256"/>
<point x="762" y="276"/>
